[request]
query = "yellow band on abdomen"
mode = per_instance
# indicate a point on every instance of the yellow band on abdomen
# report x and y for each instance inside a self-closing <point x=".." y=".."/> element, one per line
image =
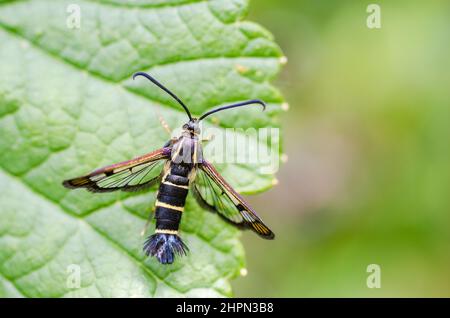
<point x="168" y="206"/>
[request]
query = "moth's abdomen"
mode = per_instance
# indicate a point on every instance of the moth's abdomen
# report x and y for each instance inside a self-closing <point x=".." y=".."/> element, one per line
<point x="170" y="201"/>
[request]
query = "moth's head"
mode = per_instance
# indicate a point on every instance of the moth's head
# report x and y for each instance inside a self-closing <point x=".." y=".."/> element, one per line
<point x="192" y="126"/>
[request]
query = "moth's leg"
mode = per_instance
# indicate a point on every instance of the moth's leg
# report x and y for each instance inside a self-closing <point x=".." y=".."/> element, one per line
<point x="208" y="138"/>
<point x="163" y="122"/>
<point x="144" y="230"/>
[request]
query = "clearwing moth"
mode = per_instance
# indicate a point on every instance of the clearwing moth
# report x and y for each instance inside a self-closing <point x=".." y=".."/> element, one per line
<point x="178" y="167"/>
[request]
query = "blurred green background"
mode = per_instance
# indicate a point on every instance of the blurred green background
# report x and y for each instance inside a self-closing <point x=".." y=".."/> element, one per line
<point x="367" y="135"/>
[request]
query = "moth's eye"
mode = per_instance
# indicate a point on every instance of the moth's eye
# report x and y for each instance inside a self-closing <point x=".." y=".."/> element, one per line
<point x="185" y="126"/>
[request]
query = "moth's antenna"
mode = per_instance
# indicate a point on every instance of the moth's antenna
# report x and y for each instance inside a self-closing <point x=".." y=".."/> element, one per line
<point x="249" y="102"/>
<point x="164" y="89"/>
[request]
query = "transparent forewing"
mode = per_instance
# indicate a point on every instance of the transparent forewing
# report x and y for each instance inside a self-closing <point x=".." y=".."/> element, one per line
<point x="131" y="175"/>
<point x="214" y="193"/>
<point x="209" y="193"/>
<point x="130" y="179"/>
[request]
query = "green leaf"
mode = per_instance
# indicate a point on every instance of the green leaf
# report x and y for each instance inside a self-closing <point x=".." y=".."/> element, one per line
<point x="67" y="106"/>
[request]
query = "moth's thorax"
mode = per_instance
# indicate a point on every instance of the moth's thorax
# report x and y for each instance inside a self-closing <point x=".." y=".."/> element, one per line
<point x="187" y="149"/>
<point x="190" y="134"/>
